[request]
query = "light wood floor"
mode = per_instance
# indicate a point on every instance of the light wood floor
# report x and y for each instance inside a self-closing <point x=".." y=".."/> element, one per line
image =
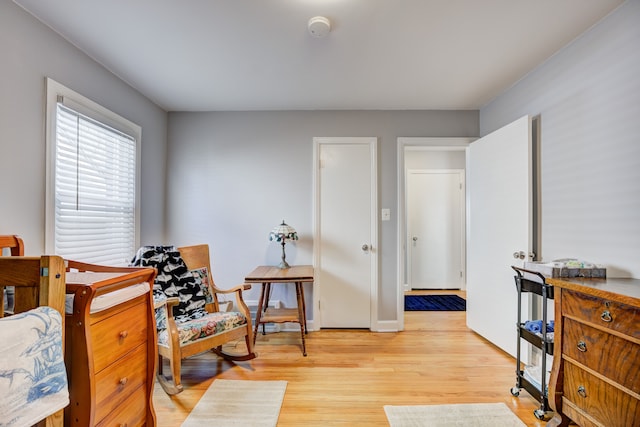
<point x="349" y="375"/>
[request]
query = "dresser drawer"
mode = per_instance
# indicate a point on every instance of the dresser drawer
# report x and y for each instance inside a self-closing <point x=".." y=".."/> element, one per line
<point x="599" y="400"/>
<point x="117" y="382"/>
<point x="115" y="336"/>
<point x="609" y="355"/>
<point x="131" y="413"/>
<point x="607" y="314"/>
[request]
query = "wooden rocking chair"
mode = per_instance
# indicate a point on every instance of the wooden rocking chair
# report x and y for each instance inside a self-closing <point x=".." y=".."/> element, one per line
<point x="188" y="310"/>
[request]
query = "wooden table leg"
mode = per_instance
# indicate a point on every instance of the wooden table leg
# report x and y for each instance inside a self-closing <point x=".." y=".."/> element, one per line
<point x="265" y="306"/>
<point x="301" y="315"/>
<point x="304" y="308"/>
<point x="259" y="314"/>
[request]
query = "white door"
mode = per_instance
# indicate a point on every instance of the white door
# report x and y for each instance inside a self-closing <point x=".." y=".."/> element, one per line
<point x="499" y="185"/>
<point x="345" y="243"/>
<point x="435" y="226"/>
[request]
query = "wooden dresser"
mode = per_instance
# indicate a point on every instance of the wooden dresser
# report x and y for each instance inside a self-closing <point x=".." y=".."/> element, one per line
<point x="595" y="380"/>
<point x="110" y="346"/>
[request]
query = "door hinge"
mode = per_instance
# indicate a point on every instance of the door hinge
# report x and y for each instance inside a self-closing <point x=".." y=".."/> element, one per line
<point x="44" y="271"/>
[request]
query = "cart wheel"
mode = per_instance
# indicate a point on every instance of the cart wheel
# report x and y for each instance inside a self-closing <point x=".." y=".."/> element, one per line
<point x="515" y="391"/>
<point x="541" y="414"/>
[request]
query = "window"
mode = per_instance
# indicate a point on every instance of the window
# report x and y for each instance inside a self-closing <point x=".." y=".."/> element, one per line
<point x="92" y="197"/>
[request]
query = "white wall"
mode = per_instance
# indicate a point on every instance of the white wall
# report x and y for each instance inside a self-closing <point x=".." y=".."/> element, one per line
<point x="588" y="99"/>
<point x="30" y="52"/>
<point x="235" y="175"/>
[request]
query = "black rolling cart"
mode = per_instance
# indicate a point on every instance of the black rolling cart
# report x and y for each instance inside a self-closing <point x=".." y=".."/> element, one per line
<point x="535" y="283"/>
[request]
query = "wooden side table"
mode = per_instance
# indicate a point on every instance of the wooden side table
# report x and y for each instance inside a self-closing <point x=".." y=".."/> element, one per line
<point x="266" y="275"/>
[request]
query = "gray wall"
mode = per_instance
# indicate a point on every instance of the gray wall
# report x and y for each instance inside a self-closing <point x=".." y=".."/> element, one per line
<point x="30" y="52"/>
<point x="423" y="159"/>
<point x="233" y="176"/>
<point x="588" y="99"/>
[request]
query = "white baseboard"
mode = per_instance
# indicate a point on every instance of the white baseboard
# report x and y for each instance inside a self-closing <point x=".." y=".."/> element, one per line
<point x="385" y="326"/>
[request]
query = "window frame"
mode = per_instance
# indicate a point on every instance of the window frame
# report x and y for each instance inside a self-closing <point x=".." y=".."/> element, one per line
<point x="55" y="92"/>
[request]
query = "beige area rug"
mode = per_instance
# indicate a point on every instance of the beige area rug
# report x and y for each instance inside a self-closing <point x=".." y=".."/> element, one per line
<point x="231" y="403"/>
<point x="467" y="415"/>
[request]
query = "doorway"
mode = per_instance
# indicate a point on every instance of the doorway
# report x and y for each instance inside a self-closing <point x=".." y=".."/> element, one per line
<point x="421" y="153"/>
<point x="345" y="232"/>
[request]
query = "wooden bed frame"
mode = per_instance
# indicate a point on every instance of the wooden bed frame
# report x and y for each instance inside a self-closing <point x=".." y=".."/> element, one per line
<point x="38" y="281"/>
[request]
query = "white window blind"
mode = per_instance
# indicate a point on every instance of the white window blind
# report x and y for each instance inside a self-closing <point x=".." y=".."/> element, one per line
<point x="95" y="190"/>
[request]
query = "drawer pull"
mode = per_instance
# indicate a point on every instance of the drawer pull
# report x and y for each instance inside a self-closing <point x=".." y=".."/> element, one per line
<point x="124" y="334"/>
<point x="606" y="316"/>
<point x="123" y="380"/>
<point x="582" y="391"/>
<point x="582" y="346"/>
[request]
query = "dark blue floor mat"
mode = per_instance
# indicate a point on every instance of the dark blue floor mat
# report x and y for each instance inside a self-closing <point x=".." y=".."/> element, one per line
<point x="434" y="303"/>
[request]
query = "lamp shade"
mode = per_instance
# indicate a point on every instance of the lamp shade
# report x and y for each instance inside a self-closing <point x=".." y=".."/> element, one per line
<point x="283" y="232"/>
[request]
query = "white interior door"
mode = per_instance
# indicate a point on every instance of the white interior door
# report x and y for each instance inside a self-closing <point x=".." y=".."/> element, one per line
<point x="435" y="226"/>
<point x="346" y="232"/>
<point x="499" y="185"/>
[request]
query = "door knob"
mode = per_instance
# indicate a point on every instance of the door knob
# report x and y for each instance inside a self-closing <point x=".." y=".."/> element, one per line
<point x="415" y="239"/>
<point x="522" y="255"/>
<point x="365" y="247"/>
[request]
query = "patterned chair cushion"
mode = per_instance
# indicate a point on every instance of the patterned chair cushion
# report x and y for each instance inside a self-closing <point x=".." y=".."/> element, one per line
<point x="211" y="324"/>
<point x="201" y="275"/>
<point x="161" y="311"/>
<point x="174" y="279"/>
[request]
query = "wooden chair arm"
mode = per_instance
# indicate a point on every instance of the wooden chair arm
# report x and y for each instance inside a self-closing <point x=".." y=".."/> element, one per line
<point x="169" y="302"/>
<point x="239" y="288"/>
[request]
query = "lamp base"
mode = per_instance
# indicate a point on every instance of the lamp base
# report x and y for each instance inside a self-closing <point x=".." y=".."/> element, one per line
<point x="283" y="264"/>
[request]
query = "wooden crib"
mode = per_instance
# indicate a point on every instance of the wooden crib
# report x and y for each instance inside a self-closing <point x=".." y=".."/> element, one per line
<point x="109" y="334"/>
<point x="37" y="281"/>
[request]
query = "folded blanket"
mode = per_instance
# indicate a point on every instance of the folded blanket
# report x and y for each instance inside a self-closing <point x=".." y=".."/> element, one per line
<point x="549" y="338"/>
<point x="533" y="374"/>
<point x="535" y="326"/>
<point x="33" y="379"/>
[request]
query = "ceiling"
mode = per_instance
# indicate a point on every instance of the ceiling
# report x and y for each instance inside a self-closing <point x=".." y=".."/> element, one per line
<point x="214" y="55"/>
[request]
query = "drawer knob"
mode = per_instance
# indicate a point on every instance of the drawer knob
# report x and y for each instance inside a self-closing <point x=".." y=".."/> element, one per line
<point x="606" y="316"/>
<point x="582" y="391"/>
<point x="123" y="380"/>
<point x="124" y="334"/>
<point x="582" y="346"/>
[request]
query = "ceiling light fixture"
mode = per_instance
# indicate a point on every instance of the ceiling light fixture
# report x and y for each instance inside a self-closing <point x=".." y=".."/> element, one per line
<point x="319" y="26"/>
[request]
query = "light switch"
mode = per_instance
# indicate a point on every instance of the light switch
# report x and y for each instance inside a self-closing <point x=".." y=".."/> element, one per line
<point x="386" y="214"/>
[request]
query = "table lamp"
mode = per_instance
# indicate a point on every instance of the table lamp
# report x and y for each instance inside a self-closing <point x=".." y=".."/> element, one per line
<point x="280" y="234"/>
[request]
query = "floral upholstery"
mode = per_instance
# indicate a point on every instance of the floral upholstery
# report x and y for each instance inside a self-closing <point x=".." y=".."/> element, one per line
<point x="191" y="287"/>
<point x="212" y="324"/>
